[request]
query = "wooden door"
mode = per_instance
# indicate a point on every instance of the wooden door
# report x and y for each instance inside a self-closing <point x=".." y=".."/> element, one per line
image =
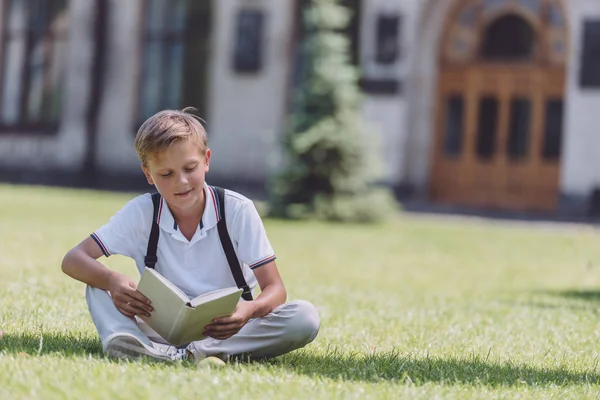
<point x="492" y="137"/>
<point x="498" y="126"/>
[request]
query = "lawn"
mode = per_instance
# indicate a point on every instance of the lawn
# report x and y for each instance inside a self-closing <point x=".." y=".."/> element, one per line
<point x="418" y="307"/>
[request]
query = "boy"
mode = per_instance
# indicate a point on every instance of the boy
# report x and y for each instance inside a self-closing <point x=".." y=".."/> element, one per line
<point x="172" y="146"/>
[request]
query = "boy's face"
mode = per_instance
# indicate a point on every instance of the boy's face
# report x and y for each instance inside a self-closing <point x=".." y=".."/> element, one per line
<point x="178" y="173"/>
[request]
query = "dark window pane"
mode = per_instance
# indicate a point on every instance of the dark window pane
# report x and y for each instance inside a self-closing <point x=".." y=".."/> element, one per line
<point x="454" y="126"/>
<point x="151" y="79"/>
<point x="14" y="61"/>
<point x="178" y="21"/>
<point x="553" y="128"/>
<point x="520" y="126"/>
<point x="197" y="56"/>
<point x="174" y="58"/>
<point x="249" y="41"/>
<point x="33" y="62"/>
<point x="173" y="82"/>
<point x="487" y="127"/>
<point x="387" y="39"/>
<point x="590" y="62"/>
<point x="163" y="56"/>
<point x="155" y="21"/>
<point x="509" y="38"/>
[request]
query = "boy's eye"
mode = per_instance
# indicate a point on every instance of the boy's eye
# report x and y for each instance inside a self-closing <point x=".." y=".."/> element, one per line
<point x="166" y="175"/>
<point x="190" y="168"/>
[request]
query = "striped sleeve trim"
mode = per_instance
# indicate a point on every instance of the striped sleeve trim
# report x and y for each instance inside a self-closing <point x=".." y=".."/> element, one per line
<point x="262" y="262"/>
<point x="160" y="207"/>
<point x="102" y="246"/>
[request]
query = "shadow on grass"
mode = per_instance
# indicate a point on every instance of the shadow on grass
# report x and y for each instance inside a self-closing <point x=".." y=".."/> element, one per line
<point x="570" y="299"/>
<point x="50" y="343"/>
<point x="588" y="295"/>
<point x="378" y="367"/>
<point x="67" y="345"/>
<point x="409" y="369"/>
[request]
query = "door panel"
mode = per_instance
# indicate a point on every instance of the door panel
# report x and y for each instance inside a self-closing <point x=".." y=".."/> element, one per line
<point x="487" y="128"/>
<point x="499" y="137"/>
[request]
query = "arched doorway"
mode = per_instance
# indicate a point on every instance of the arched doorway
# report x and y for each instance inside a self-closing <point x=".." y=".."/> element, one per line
<point x="500" y="105"/>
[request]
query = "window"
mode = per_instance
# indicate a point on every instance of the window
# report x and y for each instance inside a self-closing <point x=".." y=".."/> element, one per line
<point x="387" y="44"/>
<point x="454" y="125"/>
<point x="249" y="41"/>
<point x="175" y="56"/>
<point x="487" y="127"/>
<point x="553" y="127"/>
<point x="590" y="62"/>
<point x="520" y="125"/>
<point x="32" y="64"/>
<point x="509" y="38"/>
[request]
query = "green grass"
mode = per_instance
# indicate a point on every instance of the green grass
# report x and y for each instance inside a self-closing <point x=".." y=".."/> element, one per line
<point x="416" y="308"/>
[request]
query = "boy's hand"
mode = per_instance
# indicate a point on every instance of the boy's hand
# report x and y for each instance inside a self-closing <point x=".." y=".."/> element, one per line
<point x="127" y="299"/>
<point x="225" y="327"/>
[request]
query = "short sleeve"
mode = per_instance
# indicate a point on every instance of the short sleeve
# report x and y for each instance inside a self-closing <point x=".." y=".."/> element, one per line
<point x="123" y="231"/>
<point x="248" y="232"/>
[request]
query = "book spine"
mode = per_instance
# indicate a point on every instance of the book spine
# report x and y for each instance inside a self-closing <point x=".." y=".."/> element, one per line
<point x="175" y="332"/>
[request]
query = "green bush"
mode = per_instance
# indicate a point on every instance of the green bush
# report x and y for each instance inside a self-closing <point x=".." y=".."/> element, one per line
<point x="332" y="169"/>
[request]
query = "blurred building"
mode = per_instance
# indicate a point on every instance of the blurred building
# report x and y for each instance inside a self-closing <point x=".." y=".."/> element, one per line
<point x="490" y="103"/>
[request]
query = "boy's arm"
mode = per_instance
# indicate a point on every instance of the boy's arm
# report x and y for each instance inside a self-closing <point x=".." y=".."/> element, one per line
<point x="81" y="263"/>
<point x="272" y="294"/>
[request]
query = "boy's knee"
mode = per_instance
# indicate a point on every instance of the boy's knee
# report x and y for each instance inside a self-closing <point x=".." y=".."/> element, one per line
<point x="93" y="294"/>
<point x="305" y="322"/>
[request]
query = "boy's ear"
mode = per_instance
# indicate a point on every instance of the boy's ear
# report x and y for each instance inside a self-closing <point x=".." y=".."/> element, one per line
<point x="148" y="177"/>
<point x="207" y="159"/>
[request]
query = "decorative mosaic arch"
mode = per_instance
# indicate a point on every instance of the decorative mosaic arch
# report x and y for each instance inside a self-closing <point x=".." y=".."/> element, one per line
<point x="469" y="22"/>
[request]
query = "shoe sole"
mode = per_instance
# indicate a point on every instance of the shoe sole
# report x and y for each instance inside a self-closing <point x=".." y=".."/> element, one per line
<point x="131" y="348"/>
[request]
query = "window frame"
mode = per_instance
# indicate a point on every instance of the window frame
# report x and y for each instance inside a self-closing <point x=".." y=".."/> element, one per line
<point x="186" y="40"/>
<point x="589" y="73"/>
<point x="241" y="63"/>
<point x="21" y="126"/>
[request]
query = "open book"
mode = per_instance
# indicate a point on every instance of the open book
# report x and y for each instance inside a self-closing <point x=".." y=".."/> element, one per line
<point x="176" y="318"/>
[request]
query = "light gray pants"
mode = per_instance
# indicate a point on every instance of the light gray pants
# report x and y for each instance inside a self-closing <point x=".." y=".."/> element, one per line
<point x="288" y="327"/>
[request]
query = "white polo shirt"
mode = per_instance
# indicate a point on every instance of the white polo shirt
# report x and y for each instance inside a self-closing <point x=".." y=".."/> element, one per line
<point x="199" y="265"/>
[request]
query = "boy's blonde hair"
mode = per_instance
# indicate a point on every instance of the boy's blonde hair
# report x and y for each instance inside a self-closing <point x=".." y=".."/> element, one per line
<point x="166" y="127"/>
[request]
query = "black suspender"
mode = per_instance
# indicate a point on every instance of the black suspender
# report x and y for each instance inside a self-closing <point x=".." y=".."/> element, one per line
<point x="232" y="260"/>
<point x="150" y="259"/>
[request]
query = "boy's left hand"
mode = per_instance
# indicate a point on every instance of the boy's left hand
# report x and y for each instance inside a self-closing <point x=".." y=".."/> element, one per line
<point x="225" y="327"/>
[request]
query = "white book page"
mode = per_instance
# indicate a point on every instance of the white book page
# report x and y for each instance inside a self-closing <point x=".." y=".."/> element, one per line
<point x="168" y="283"/>
<point x="167" y="302"/>
<point x="195" y="319"/>
<point x="215" y="294"/>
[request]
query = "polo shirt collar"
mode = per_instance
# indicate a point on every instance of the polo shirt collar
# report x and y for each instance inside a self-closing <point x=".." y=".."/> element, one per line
<point x="210" y="217"/>
<point x="212" y="214"/>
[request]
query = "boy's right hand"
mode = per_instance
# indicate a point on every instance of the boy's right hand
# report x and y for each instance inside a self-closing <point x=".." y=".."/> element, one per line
<point x="127" y="299"/>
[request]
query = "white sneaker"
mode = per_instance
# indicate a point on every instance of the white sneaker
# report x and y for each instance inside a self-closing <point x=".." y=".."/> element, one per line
<point x="126" y="345"/>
